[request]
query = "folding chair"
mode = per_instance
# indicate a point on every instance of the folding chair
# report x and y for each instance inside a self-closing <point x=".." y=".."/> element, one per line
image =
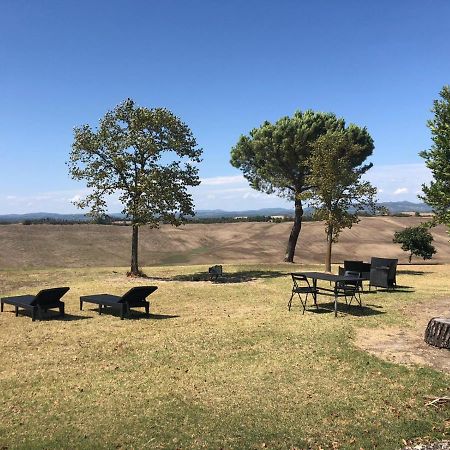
<point x="350" y="288"/>
<point x="300" y="285"/>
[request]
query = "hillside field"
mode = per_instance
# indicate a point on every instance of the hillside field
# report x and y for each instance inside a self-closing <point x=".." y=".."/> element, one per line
<point x="227" y="243"/>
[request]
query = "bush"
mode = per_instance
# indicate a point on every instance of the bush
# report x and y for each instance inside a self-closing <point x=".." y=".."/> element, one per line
<point x="417" y="241"/>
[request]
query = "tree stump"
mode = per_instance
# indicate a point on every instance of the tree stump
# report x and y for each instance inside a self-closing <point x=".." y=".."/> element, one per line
<point x="438" y="332"/>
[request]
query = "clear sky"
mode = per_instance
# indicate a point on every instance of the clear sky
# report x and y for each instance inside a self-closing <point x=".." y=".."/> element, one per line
<point x="223" y="67"/>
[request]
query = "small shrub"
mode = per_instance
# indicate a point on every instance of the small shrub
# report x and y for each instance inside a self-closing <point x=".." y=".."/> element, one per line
<point x="417" y="241"/>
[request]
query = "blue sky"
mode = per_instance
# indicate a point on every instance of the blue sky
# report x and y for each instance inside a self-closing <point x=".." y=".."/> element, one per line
<point x="224" y="68"/>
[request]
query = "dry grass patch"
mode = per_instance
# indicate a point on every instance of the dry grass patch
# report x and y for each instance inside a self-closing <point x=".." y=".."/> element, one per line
<point x="217" y="366"/>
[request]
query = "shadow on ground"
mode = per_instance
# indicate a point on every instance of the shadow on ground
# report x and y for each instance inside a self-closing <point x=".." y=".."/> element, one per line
<point x="162" y="316"/>
<point x="50" y="315"/>
<point x="135" y="315"/>
<point x="398" y="289"/>
<point x="351" y="310"/>
<point x="235" y="277"/>
<point x="412" y="272"/>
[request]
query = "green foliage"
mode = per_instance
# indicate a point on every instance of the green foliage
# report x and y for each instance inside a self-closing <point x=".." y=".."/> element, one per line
<point x="417" y="241"/>
<point x="437" y="159"/>
<point x="274" y="157"/>
<point x="146" y="155"/>
<point x="104" y="220"/>
<point x="53" y="221"/>
<point x="383" y="211"/>
<point x="337" y="192"/>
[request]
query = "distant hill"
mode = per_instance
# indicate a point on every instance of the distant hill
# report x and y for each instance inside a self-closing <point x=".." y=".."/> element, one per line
<point x="15" y="218"/>
<point x="404" y="206"/>
<point x="394" y="208"/>
<point x="212" y="213"/>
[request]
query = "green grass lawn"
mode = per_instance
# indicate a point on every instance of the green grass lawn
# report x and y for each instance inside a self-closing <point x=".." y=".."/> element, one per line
<point x="217" y="366"/>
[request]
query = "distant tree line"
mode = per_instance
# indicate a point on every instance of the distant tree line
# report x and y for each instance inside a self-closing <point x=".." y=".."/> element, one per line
<point x="110" y="220"/>
<point x="53" y="221"/>
<point x="50" y="221"/>
<point x="229" y="219"/>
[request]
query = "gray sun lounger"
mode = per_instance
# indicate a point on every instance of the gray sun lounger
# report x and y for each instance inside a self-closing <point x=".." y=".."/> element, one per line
<point x="135" y="297"/>
<point x="44" y="300"/>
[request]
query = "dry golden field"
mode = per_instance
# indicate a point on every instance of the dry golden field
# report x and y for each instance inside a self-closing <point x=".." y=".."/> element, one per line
<point x="102" y="245"/>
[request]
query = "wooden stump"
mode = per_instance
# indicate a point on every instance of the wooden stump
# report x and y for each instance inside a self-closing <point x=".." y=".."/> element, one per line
<point x="438" y="332"/>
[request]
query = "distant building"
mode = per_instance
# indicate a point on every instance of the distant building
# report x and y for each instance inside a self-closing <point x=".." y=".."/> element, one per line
<point x="277" y="219"/>
<point x="240" y="217"/>
<point x="417" y="213"/>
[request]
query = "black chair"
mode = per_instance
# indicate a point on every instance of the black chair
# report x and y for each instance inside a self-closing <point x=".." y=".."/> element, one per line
<point x="353" y="265"/>
<point x="383" y="273"/>
<point x="43" y="301"/>
<point x="359" y="266"/>
<point x="300" y="285"/>
<point x="350" y="288"/>
<point x="135" y="297"/>
<point x="215" y="272"/>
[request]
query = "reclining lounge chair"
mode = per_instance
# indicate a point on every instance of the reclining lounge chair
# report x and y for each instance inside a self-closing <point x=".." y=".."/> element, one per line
<point x="135" y="297"/>
<point x="44" y="300"/>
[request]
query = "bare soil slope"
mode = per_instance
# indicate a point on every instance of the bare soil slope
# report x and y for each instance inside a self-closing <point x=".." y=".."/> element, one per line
<point x="103" y="245"/>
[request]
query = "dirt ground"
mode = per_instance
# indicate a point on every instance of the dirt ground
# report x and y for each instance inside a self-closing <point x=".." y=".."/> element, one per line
<point x="406" y="345"/>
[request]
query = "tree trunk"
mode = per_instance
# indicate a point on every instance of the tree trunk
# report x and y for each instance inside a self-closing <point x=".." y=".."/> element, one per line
<point x="134" y="251"/>
<point x="293" y="237"/>
<point x="328" y="254"/>
<point x="438" y="332"/>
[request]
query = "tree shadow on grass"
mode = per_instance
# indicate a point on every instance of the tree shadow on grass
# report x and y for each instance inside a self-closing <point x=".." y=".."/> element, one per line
<point x="233" y="277"/>
<point x="412" y="272"/>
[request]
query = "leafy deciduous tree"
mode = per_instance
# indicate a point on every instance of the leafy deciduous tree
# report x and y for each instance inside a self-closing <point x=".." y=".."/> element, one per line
<point x="274" y="157"/>
<point x="437" y="159"/>
<point x="417" y="241"/>
<point x="146" y="155"/>
<point x="337" y="192"/>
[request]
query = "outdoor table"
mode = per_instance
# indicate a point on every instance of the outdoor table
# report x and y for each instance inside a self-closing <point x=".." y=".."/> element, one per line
<point x="326" y="276"/>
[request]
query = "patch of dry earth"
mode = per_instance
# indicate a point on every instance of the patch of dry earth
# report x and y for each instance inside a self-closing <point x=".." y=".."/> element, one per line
<point x="406" y="345"/>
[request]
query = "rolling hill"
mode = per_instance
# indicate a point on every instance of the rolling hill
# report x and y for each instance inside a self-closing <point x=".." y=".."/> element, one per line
<point x="108" y="245"/>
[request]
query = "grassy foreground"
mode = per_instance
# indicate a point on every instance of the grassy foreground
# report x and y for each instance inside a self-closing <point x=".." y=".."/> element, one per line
<point x="217" y="366"/>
